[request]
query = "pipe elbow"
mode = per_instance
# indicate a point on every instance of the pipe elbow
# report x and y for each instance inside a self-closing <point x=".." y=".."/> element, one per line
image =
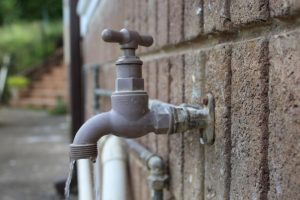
<point x="85" y="142"/>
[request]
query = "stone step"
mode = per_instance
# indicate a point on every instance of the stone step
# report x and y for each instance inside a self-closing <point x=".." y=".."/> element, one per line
<point x="49" y="93"/>
<point x="55" y="84"/>
<point x="35" y="102"/>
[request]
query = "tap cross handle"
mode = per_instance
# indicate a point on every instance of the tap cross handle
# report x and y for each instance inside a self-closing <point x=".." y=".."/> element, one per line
<point x="126" y="38"/>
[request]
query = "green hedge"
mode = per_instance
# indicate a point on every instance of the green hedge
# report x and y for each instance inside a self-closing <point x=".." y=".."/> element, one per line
<point x="29" y="42"/>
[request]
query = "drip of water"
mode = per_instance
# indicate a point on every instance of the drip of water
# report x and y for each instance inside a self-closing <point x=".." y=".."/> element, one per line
<point x="68" y="182"/>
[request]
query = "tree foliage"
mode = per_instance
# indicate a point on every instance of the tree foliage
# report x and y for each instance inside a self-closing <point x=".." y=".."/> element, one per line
<point x="29" y="42"/>
<point x="29" y="10"/>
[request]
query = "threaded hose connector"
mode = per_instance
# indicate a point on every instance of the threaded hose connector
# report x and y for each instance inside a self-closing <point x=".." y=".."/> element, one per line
<point x="83" y="151"/>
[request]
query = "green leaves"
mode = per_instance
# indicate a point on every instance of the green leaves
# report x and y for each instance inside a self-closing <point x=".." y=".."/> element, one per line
<point x="29" y="10"/>
<point x="29" y="43"/>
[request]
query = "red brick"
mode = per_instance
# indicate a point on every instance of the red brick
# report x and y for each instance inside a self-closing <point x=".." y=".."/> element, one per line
<point x="284" y="119"/>
<point x="217" y="16"/>
<point x="176" y="79"/>
<point x="152" y="21"/>
<point x="107" y="71"/>
<point x="163" y="95"/>
<point x="145" y="190"/>
<point x="163" y="83"/>
<point x="175" y="21"/>
<point x="176" y="140"/>
<point x="88" y="91"/>
<point x="152" y="70"/>
<point x="162" y="23"/>
<point x="152" y="92"/>
<point x="144" y="140"/>
<point x="137" y="11"/>
<point x="103" y="18"/>
<point x="217" y="156"/>
<point x="143" y="21"/>
<point x="135" y="178"/>
<point x="145" y="74"/>
<point x="284" y="8"/>
<point x="249" y="119"/>
<point x="129" y="14"/>
<point x="143" y="16"/>
<point x="193" y="172"/>
<point x="193" y="18"/>
<point x="194" y="76"/>
<point x="246" y="12"/>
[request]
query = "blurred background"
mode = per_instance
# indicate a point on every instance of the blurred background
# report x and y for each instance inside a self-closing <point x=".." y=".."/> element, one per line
<point x="56" y="72"/>
<point x="33" y="101"/>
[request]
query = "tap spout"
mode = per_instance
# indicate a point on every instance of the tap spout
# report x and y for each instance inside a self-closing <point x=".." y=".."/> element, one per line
<point x="130" y="115"/>
<point x="85" y="141"/>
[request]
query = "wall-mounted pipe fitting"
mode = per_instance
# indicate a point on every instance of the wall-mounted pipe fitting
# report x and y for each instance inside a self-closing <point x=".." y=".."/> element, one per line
<point x="185" y="117"/>
<point x="157" y="179"/>
<point x="130" y="115"/>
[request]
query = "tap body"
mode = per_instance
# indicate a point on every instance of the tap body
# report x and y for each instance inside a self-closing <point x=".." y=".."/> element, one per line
<point x="131" y="115"/>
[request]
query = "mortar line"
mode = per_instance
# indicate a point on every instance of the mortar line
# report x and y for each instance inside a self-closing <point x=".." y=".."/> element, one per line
<point x="169" y="100"/>
<point x="182" y="35"/>
<point x="182" y="134"/>
<point x="228" y="142"/>
<point x="203" y="62"/>
<point x="202" y="17"/>
<point x="208" y="41"/>
<point x="264" y="181"/>
<point x="156" y="96"/>
<point x="202" y="87"/>
<point x="168" y="21"/>
<point x="265" y="178"/>
<point x="169" y="90"/>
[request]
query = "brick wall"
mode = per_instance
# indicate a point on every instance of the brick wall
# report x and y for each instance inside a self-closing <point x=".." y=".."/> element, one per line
<point x="247" y="53"/>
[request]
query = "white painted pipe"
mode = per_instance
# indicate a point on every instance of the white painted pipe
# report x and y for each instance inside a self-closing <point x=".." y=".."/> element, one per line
<point x="85" y="180"/>
<point x="98" y="168"/>
<point x="114" y="171"/>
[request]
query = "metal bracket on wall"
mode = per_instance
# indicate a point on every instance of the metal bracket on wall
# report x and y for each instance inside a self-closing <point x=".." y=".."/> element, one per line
<point x="203" y="118"/>
<point x="186" y="117"/>
<point x="208" y="135"/>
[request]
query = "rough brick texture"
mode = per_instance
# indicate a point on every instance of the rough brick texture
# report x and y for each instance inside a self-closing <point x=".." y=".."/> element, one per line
<point x="216" y="16"/>
<point x="284" y="120"/>
<point x="217" y="156"/>
<point x="162" y="23"/>
<point x="246" y="53"/>
<point x="163" y="93"/>
<point x="245" y="12"/>
<point x="193" y="18"/>
<point x="249" y="118"/>
<point x="176" y="140"/>
<point x="138" y="179"/>
<point x="152" y="20"/>
<point x="193" y="162"/>
<point x="152" y="92"/>
<point x="175" y="21"/>
<point x="284" y="8"/>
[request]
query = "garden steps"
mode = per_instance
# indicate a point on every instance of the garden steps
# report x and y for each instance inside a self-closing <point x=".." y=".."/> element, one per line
<point x="45" y="88"/>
